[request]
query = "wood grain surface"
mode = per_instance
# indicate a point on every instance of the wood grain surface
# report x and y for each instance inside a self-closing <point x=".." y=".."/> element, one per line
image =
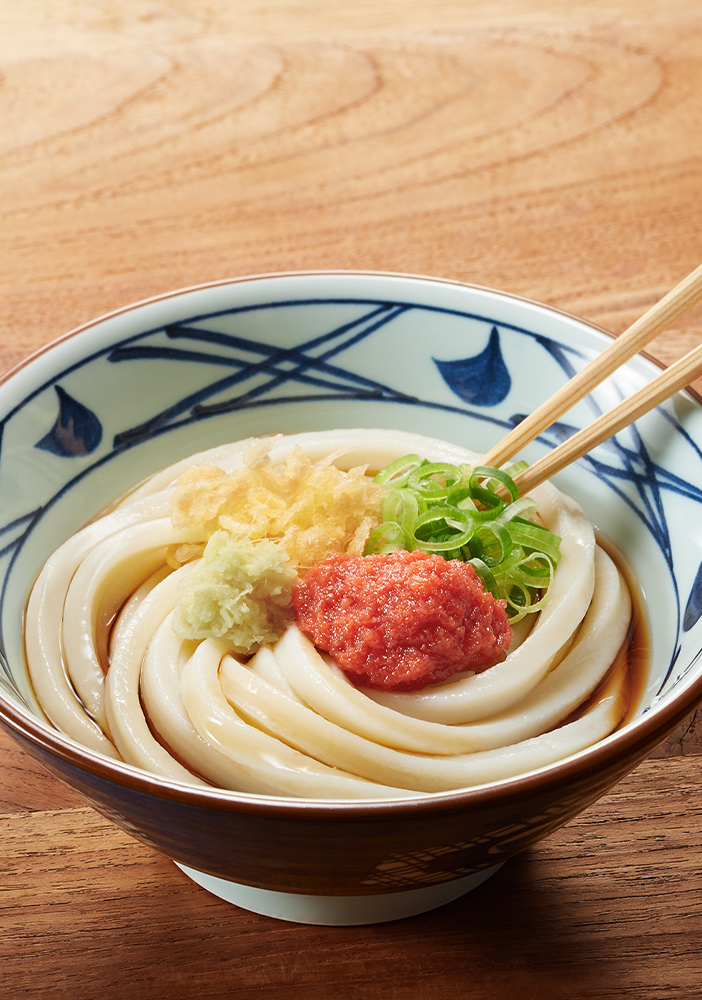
<point x="546" y="147"/>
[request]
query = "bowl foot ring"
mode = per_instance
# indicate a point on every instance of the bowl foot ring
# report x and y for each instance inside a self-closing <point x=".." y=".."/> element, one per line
<point x="338" y="910"/>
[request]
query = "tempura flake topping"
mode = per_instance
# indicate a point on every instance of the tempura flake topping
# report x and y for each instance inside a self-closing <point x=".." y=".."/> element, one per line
<point x="310" y="509"/>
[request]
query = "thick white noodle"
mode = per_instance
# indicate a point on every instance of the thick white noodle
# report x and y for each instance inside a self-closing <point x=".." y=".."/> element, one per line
<point x="128" y="725"/>
<point x="289" y="722"/>
<point x="313" y="735"/>
<point x="267" y="764"/>
<point x="44" y="632"/>
<point x="105" y="579"/>
<point x="325" y="689"/>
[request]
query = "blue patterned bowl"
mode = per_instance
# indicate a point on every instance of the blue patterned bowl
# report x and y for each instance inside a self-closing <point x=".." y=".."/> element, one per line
<point x="110" y="403"/>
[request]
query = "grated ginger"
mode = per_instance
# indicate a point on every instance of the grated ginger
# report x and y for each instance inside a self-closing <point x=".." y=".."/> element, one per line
<point x="238" y="593"/>
<point x="311" y="510"/>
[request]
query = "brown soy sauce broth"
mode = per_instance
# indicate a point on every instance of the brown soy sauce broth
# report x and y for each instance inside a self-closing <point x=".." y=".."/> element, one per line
<point x="638" y="646"/>
<point x="636" y="649"/>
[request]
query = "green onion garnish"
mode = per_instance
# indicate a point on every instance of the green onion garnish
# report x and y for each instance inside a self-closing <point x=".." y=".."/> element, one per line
<point x="461" y="513"/>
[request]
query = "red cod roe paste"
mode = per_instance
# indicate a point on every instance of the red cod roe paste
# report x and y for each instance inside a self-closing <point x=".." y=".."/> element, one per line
<point x="402" y="620"/>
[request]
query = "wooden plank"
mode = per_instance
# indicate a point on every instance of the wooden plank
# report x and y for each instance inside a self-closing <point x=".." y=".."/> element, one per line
<point x="102" y="912"/>
<point x="543" y="148"/>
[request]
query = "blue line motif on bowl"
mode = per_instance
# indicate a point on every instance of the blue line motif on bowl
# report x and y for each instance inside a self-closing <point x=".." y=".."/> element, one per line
<point x="77" y="430"/>
<point x="693" y="608"/>
<point x="481" y="380"/>
<point x="259" y="374"/>
<point x="282" y="365"/>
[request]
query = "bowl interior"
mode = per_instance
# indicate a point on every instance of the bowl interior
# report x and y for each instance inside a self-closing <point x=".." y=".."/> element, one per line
<point x="130" y="393"/>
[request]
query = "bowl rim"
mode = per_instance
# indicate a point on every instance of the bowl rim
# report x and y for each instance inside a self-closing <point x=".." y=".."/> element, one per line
<point x="312" y="273"/>
<point x="636" y="739"/>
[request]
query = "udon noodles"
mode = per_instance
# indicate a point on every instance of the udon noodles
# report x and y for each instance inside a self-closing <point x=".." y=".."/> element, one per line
<point x="111" y="673"/>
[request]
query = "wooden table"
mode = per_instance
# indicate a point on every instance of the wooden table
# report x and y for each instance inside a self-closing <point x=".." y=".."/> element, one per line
<point x="546" y="147"/>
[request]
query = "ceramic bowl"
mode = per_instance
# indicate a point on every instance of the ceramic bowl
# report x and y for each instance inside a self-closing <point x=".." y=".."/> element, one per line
<point x="114" y="401"/>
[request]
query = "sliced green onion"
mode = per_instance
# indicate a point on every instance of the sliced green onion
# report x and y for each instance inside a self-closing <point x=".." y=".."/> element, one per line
<point x="461" y="513"/>
<point x="487" y="576"/>
<point x="397" y="473"/>
<point x="434" y="480"/>
<point x="509" y="563"/>
<point x="535" y="537"/>
<point x="440" y="529"/>
<point x="524" y="507"/>
<point x="533" y="571"/>
<point x="491" y="504"/>
<point x="402" y="506"/>
<point x="519" y="602"/>
<point x="466" y="472"/>
<point x="388" y="537"/>
<point x="461" y="497"/>
<point x="488" y="474"/>
<point x="517" y="467"/>
<point x="490" y="542"/>
<point x="466" y="499"/>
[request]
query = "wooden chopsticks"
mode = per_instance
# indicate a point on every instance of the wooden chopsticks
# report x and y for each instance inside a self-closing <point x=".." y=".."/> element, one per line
<point x="661" y="388"/>
<point x="654" y="321"/>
